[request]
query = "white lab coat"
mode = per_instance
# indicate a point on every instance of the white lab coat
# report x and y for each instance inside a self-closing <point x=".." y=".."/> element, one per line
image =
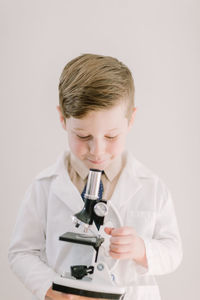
<point x="143" y="202"/>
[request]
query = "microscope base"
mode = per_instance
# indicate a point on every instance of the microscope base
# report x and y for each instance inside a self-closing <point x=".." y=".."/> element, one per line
<point x="86" y="293"/>
<point x="99" y="285"/>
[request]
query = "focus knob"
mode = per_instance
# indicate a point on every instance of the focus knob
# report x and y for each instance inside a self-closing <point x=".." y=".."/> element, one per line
<point x="101" y="209"/>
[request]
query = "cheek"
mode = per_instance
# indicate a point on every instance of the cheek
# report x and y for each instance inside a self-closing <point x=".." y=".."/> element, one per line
<point x="77" y="147"/>
<point x="116" y="147"/>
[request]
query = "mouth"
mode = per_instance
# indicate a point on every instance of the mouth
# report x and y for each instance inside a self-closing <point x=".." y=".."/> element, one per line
<point x="97" y="162"/>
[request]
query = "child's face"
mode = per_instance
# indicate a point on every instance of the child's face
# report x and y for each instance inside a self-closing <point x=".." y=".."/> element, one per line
<point x="99" y="137"/>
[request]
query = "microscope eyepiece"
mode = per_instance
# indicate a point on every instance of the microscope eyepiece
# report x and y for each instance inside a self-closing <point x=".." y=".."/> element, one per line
<point x="93" y="183"/>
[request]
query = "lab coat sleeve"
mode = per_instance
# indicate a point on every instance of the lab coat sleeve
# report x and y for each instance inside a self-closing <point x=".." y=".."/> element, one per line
<point x="164" y="249"/>
<point x="27" y="248"/>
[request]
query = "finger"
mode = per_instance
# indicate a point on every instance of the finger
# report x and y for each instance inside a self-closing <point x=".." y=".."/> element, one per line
<point x="68" y="296"/>
<point x="126" y="255"/>
<point x="122" y="231"/>
<point x="60" y="296"/>
<point x="122" y="240"/>
<point x="74" y="297"/>
<point x="108" y="230"/>
<point x="120" y="249"/>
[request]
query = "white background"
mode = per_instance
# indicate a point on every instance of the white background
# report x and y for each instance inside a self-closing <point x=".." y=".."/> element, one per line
<point x="159" y="41"/>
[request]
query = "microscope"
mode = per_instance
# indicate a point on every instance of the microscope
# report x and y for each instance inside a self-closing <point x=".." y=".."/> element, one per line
<point x="98" y="279"/>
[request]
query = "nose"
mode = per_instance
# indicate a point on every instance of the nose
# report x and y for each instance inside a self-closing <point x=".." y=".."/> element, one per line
<point x="97" y="148"/>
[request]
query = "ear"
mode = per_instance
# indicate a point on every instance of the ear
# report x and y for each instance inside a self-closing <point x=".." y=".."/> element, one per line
<point x="62" y="119"/>
<point x="131" y="121"/>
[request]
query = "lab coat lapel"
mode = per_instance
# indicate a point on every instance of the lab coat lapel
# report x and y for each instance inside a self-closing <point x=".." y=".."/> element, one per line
<point x="126" y="189"/>
<point x="65" y="190"/>
<point x="128" y="185"/>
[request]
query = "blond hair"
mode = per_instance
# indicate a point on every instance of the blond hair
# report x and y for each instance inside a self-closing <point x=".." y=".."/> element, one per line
<point x="93" y="82"/>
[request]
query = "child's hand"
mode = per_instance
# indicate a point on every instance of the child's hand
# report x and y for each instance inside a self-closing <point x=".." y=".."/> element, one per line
<point x="54" y="295"/>
<point x="75" y="297"/>
<point x="126" y="244"/>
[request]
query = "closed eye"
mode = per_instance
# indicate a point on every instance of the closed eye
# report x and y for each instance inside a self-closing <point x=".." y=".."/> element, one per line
<point x="89" y="136"/>
<point x="83" y="137"/>
<point x="111" y="137"/>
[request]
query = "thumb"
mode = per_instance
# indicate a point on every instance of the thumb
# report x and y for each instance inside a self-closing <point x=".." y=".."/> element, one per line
<point x="108" y="230"/>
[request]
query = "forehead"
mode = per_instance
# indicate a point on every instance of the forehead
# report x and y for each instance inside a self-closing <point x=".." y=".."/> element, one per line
<point x="108" y="119"/>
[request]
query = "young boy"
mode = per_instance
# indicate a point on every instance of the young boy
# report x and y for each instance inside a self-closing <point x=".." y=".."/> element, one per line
<point x="97" y="111"/>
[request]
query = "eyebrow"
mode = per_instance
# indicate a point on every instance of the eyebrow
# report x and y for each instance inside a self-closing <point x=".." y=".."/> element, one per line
<point x="80" y="129"/>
